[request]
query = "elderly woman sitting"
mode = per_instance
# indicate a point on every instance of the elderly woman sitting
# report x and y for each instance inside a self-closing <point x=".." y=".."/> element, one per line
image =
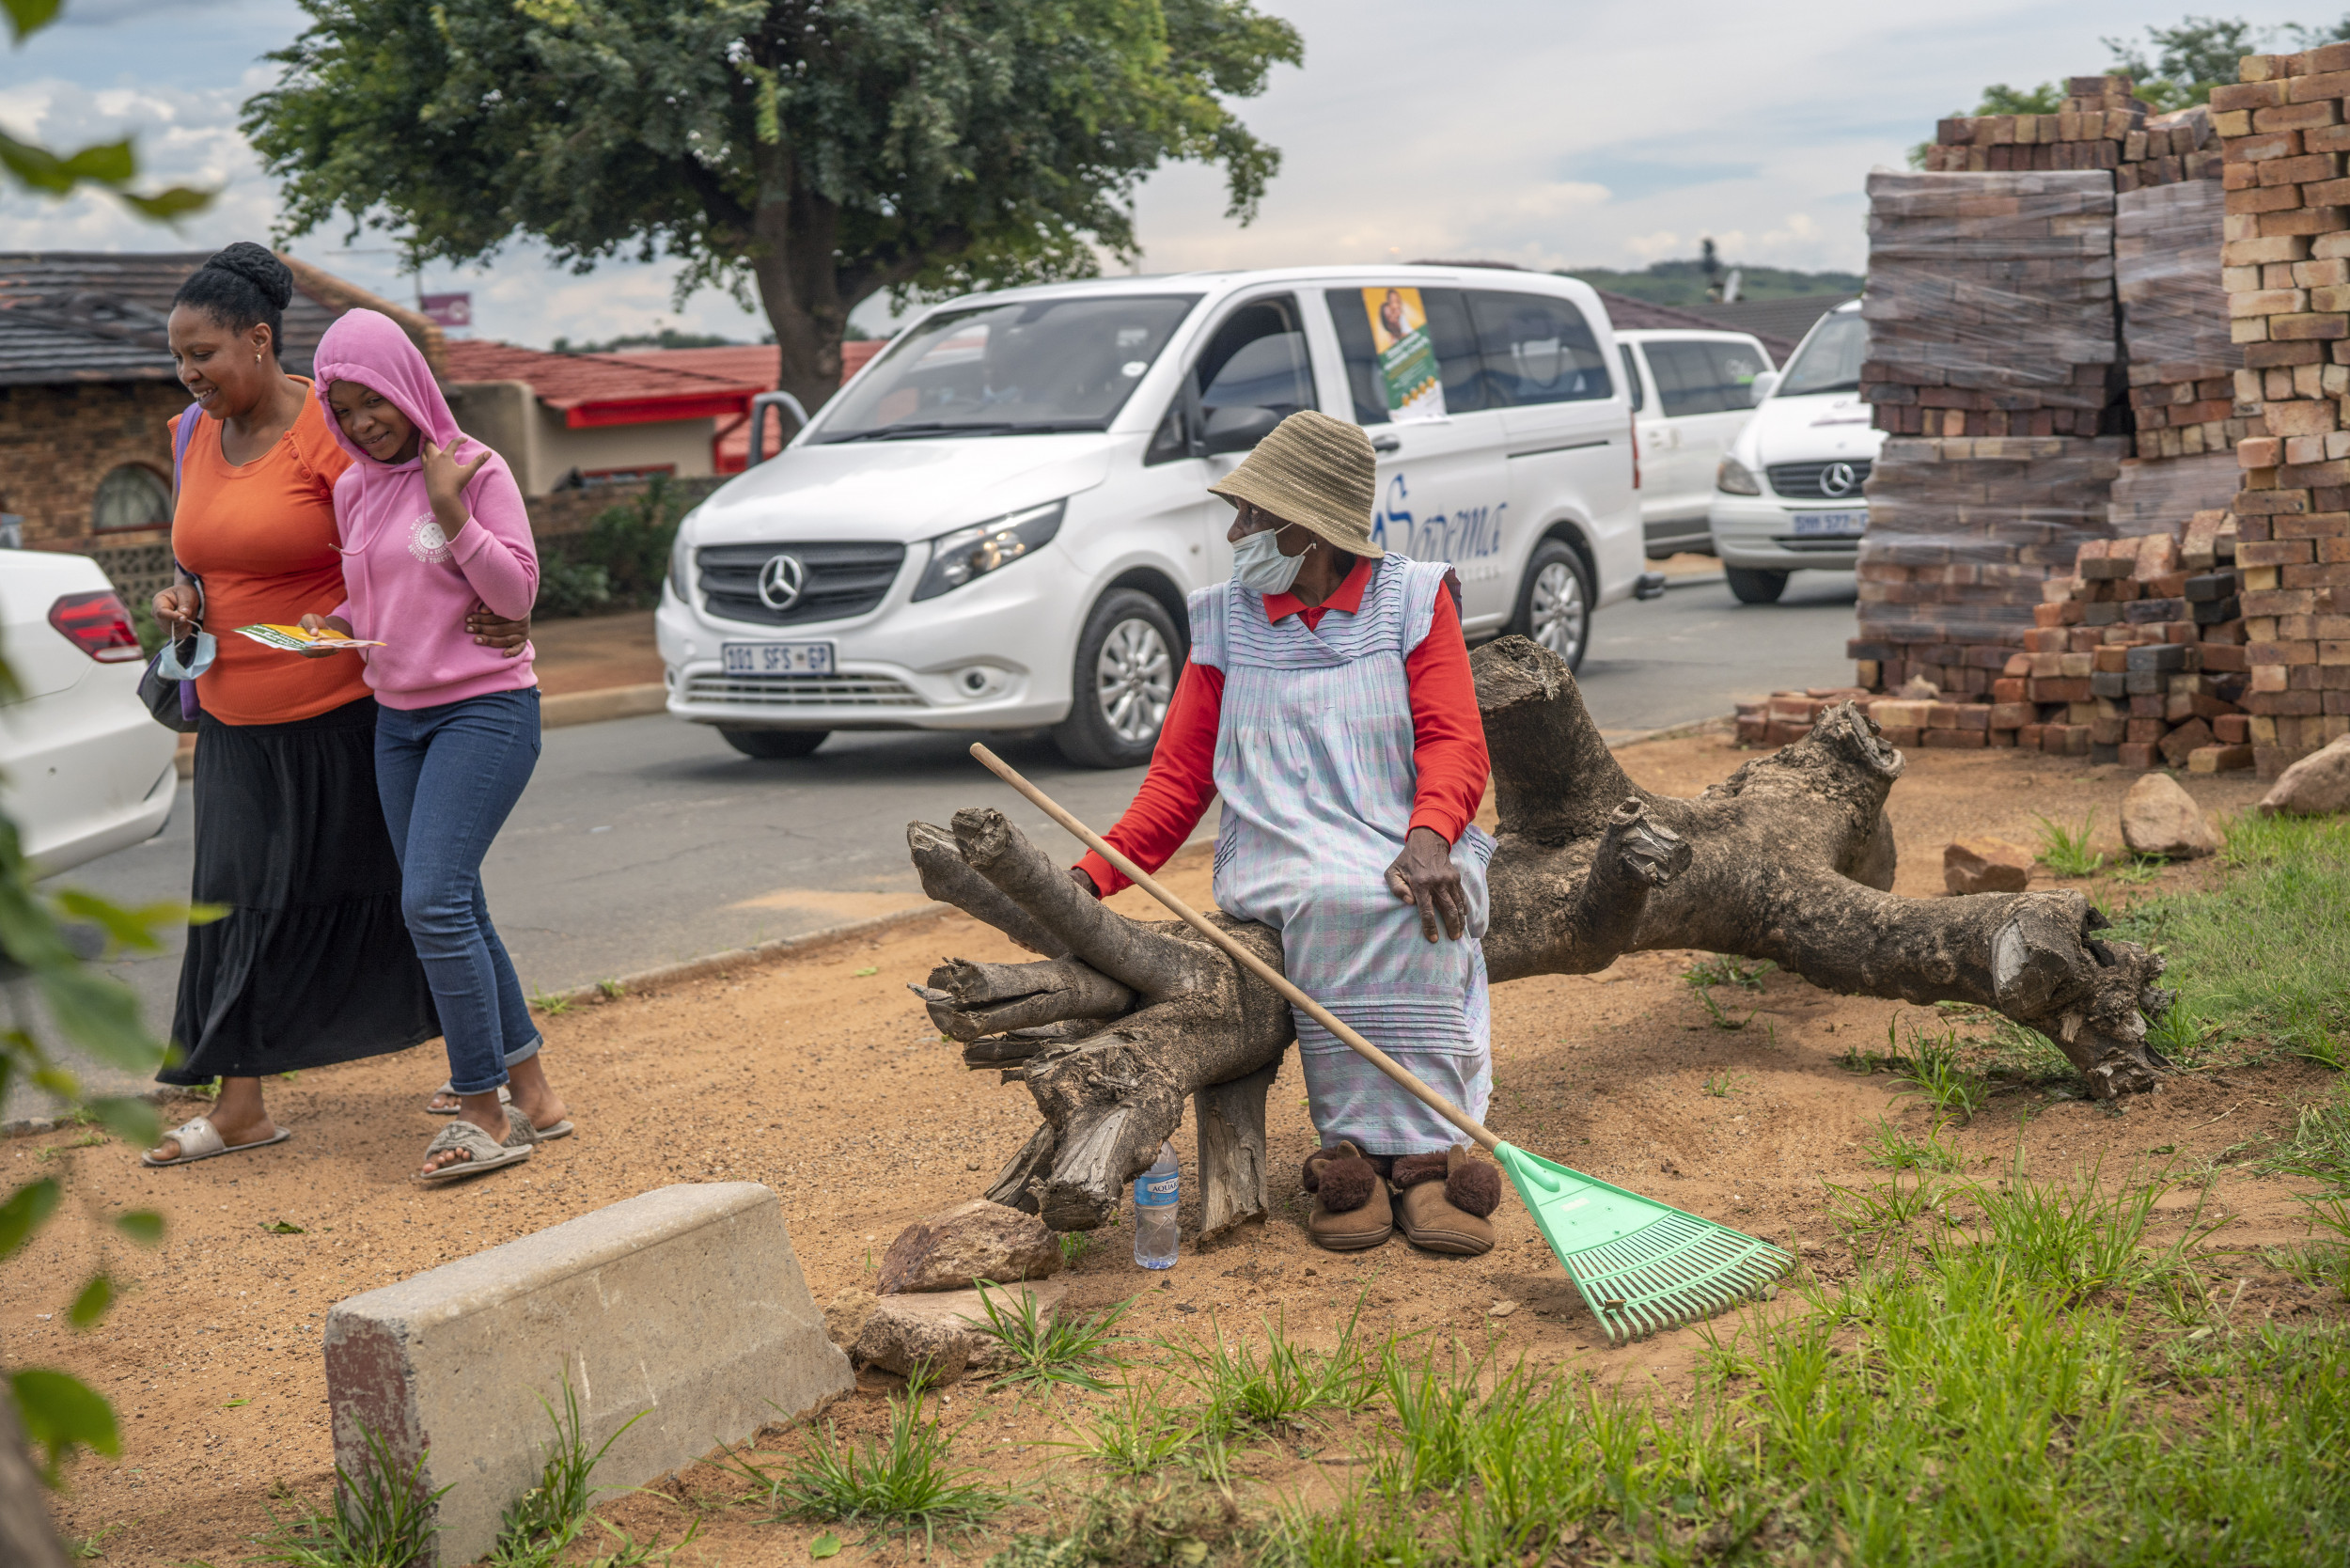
<point x="1328" y="700"/>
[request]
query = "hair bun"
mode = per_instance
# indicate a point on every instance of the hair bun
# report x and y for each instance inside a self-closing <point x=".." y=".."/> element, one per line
<point x="258" y="266"/>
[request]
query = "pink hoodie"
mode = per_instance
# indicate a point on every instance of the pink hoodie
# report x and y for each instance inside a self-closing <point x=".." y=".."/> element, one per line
<point x="409" y="584"/>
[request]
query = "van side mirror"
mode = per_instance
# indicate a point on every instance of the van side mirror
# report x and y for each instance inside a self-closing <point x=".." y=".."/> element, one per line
<point x="1766" y="384"/>
<point x="1239" y="430"/>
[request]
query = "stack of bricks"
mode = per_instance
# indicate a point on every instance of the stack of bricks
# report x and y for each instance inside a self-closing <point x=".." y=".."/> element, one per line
<point x="2287" y="273"/>
<point x="1991" y="305"/>
<point x="2185" y="396"/>
<point x="1963" y="536"/>
<point x="1785" y="717"/>
<point x="2100" y="127"/>
<point x="2144" y="646"/>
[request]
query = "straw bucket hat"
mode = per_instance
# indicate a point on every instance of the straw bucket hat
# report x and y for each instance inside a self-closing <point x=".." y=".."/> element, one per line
<point x="1317" y="472"/>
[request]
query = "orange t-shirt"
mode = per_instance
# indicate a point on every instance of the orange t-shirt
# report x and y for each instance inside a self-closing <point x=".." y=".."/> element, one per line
<point x="262" y="538"/>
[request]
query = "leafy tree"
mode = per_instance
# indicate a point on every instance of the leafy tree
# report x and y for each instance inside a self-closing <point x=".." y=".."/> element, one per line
<point x="2189" y="59"/>
<point x="109" y="165"/>
<point x="816" y="151"/>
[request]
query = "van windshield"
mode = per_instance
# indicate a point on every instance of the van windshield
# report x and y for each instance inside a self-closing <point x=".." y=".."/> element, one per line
<point x="1830" y="362"/>
<point x="1018" y="369"/>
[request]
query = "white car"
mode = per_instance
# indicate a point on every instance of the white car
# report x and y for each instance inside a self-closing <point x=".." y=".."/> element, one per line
<point x="1694" y="392"/>
<point x="1787" y="497"/>
<point x="995" y="523"/>
<point x="84" y="769"/>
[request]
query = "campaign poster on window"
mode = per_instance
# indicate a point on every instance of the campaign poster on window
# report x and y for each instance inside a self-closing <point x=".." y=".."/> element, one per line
<point x="1407" y="360"/>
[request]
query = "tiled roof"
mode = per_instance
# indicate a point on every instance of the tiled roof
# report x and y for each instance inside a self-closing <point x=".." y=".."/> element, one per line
<point x="1769" y="319"/>
<point x="753" y="363"/>
<point x="83" y="316"/>
<point x="1631" y="315"/>
<point x="603" y="388"/>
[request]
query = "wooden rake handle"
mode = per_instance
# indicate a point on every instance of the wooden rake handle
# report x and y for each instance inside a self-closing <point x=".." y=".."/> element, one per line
<point x="1395" y="1070"/>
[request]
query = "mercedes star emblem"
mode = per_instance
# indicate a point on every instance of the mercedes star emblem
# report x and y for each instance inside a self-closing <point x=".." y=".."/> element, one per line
<point x="783" y="578"/>
<point x="1837" y="478"/>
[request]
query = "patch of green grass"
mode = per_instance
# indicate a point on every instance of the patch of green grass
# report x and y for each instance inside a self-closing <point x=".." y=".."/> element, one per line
<point x="1045" y="1349"/>
<point x="1881" y="1208"/>
<point x="1717" y="1017"/>
<point x="546" y="1519"/>
<point x="1890" y="1149"/>
<point x="1072" y="1247"/>
<point x="2264" y="956"/>
<point x="1721" y="1085"/>
<point x="1137" y="1433"/>
<point x="555" y="1004"/>
<point x="1244" y="1386"/>
<point x="381" y="1517"/>
<point x="1935" y="1074"/>
<point x="2065" y="850"/>
<point x="2320" y="1146"/>
<point x="1724" y="969"/>
<point x="900" y="1486"/>
<point x="613" y="990"/>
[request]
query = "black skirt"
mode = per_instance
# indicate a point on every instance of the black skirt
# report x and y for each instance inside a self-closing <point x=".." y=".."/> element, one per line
<point x="313" y="963"/>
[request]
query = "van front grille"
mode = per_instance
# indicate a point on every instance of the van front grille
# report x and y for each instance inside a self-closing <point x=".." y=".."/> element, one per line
<point x="837" y="580"/>
<point x="803" y="691"/>
<point x="1806" y="481"/>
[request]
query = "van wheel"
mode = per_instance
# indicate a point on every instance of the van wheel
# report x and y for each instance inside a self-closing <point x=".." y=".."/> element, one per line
<point x="1753" y="585"/>
<point x="774" y="744"/>
<point x="1125" y="678"/>
<point x="1554" y="602"/>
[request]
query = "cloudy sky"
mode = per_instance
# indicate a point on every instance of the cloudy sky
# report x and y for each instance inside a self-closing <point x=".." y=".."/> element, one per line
<point x="1548" y="133"/>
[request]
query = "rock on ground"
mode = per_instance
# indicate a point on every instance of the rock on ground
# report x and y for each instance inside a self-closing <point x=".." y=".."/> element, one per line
<point x="2318" y="784"/>
<point x="1985" y="866"/>
<point x="845" y="1314"/>
<point x="976" y="1241"/>
<point x="942" y="1330"/>
<point x="2160" y="818"/>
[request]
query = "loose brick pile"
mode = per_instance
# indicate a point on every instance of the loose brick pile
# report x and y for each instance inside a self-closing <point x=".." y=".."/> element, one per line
<point x="2101" y="126"/>
<point x="1991" y="305"/>
<point x="2138" y="657"/>
<point x="2287" y="273"/>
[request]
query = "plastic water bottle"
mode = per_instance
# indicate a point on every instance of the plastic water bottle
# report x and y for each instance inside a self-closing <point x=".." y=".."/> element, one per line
<point x="1157" y="1191"/>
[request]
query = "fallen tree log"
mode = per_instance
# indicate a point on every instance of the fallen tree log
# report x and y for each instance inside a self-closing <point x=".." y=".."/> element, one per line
<point x="1791" y="859"/>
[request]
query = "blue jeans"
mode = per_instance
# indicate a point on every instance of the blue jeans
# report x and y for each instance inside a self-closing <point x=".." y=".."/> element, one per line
<point x="448" y="777"/>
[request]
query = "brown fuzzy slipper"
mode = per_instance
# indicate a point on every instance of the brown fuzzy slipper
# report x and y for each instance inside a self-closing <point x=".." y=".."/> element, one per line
<point x="1445" y="1199"/>
<point x="1351" y="1208"/>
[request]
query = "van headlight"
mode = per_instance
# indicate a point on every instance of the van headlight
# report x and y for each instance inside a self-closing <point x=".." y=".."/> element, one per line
<point x="958" y="558"/>
<point x="1735" y="479"/>
<point x="681" y="561"/>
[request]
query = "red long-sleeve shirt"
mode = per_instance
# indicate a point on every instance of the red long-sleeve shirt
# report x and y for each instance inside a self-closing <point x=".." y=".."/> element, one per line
<point x="1448" y="740"/>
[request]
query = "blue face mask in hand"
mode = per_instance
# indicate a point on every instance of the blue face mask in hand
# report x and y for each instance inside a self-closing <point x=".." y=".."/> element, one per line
<point x="1258" y="562"/>
<point x="185" y="658"/>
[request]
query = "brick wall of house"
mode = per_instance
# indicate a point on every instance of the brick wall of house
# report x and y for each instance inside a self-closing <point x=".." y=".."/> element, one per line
<point x="57" y="442"/>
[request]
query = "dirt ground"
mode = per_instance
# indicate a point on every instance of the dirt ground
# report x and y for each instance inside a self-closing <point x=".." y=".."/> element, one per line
<point x="823" y="1078"/>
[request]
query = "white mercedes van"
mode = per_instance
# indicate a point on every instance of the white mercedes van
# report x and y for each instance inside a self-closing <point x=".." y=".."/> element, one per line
<point x="995" y="523"/>
<point x="1787" y="497"/>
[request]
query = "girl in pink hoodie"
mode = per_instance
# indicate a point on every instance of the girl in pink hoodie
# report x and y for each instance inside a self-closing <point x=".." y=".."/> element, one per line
<point x="430" y="521"/>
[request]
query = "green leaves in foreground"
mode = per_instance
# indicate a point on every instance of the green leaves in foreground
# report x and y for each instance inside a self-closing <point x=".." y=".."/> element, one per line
<point x="110" y="166"/>
<point x="59" y="1413"/>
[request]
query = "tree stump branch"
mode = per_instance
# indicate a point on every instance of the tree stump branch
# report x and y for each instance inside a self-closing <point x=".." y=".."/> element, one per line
<point x="1791" y="859"/>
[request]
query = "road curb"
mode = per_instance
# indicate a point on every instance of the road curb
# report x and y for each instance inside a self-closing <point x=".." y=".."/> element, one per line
<point x="612" y="702"/>
<point x="756" y="956"/>
<point x="1720" y="724"/>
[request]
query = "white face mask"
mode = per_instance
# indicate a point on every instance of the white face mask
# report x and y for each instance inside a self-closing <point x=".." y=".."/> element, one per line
<point x="1258" y="562"/>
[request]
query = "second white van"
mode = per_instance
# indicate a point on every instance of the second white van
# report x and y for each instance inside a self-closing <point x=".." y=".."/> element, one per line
<point x="995" y="523"/>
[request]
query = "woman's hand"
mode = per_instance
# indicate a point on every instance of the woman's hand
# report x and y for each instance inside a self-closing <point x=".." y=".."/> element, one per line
<point x="1424" y="874"/>
<point x="177" y="607"/>
<point x="491" y="630"/>
<point x="334" y="623"/>
<point x="445" y="481"/>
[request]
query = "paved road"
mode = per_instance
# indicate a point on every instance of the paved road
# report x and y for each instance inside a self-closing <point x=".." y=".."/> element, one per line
<point x="646" y="841"/>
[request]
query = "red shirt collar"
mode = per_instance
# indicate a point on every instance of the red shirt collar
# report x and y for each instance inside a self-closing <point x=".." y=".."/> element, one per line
<point x="1349" y="597"/>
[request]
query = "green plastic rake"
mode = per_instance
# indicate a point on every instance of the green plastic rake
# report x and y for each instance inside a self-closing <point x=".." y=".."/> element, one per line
<point x="1640" y="1265"/>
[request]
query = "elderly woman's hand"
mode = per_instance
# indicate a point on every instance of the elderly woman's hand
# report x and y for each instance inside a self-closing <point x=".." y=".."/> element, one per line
<point x="1424" y="874"/>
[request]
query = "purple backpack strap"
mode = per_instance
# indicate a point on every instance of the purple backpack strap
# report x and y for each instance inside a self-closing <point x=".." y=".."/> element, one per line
<point x="180" y="437"/>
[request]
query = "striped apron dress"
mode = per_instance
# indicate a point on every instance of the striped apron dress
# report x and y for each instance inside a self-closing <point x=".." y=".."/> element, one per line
<point x="1313" y="760"/>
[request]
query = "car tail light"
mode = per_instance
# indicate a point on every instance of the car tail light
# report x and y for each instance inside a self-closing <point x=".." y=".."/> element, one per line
<point x="1635" y="451"/>
<point x="98" y="625"/>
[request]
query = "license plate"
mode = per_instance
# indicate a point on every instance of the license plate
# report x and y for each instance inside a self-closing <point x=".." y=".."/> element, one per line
<point x="778" y="658"/>
<point x="1832" y="524"/>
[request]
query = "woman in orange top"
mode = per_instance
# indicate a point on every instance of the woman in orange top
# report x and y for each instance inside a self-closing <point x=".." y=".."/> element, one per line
<point x="312" y="963"/>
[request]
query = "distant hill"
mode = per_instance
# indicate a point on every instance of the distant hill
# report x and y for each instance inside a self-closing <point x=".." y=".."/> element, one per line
<point x="1683" y="283"/>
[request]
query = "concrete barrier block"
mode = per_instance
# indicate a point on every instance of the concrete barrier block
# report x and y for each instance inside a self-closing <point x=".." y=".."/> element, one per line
<point x="686" y="1303"/>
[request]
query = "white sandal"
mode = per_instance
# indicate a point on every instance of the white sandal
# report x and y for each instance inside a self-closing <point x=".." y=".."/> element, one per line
<point x="506" y="1097"/>
<point x="483" y="1154"/>
<point x="200" y="1140"/>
